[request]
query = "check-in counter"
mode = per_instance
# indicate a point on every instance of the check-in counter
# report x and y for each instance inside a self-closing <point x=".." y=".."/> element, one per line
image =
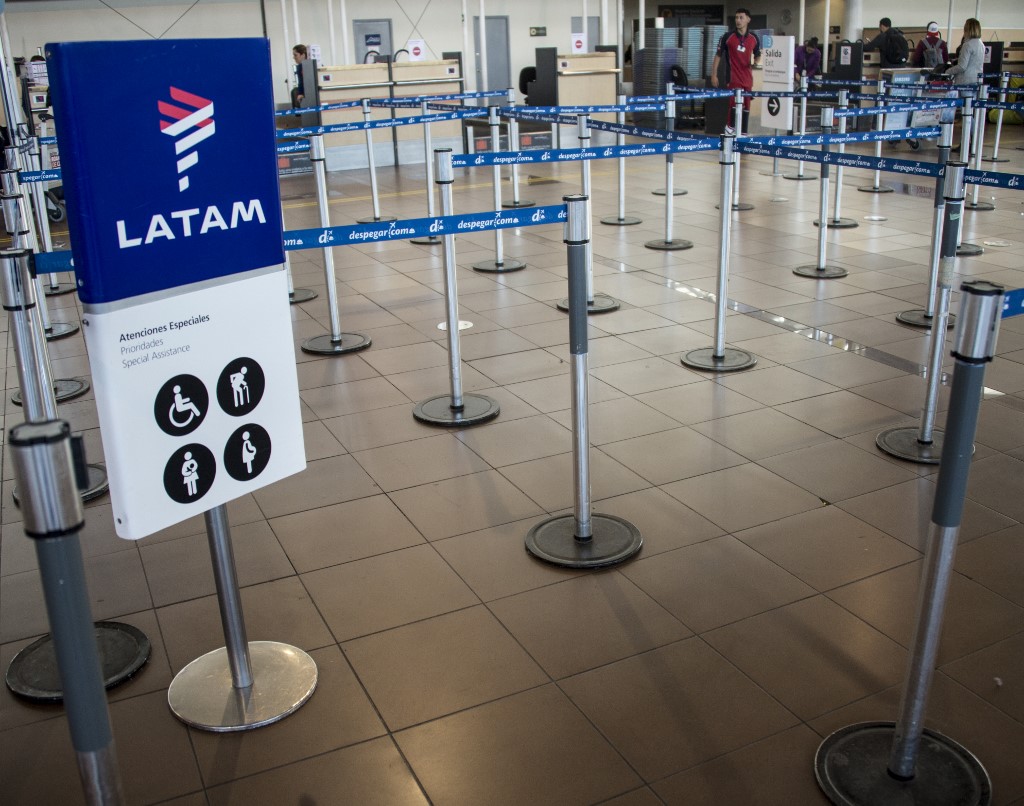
<point x="352" y="83"/>
<point x="411" y="79"/>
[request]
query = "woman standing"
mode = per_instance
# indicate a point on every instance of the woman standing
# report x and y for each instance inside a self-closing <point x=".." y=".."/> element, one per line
<point x="971" y="61"/>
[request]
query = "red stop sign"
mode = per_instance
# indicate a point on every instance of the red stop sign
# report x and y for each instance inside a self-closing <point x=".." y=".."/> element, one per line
<point x="579" y="43"/>
<point x="416" y="50"/>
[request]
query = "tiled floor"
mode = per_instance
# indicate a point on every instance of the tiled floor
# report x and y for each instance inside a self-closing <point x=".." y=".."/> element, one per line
<point x="772" y="602"/>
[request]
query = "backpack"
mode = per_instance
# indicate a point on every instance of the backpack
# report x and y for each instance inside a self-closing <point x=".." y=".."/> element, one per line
<point x="932" y="54"/>
<point x="895" y="48"/>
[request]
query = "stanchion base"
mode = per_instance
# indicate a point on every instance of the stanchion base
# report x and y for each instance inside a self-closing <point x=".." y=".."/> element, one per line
<point x="554" y="540"/>
<point x="430" y="240"/>
<point x="851" y="768"/>
<point x="799" y="177"/>
<point x="738" y="207"/>
<point x="627" y="221"/>
<point x="96" y="485"/>
<point x="438" y="410"/>
<point x="980" y="207"/>
<point x="919" y="318"/>
<point x="601" y="303"/>
<point x="69" y="288"/>
<point x="514" y="205"/>
<point x="675" y="192"/>
<point x="325" y="345"/>
<point x="494" y="267"/>
<point x="969" y="250"/>
<point x="903" y="443"/>
<point x="837" y="223"/>
<point x="669" y="246"/>
<point x="302" y="295"/>
<point x="820" y="273"/>
<point x="876" y="189"/>
<point x="60" y="330"/>
<point x="202" y="694"/>
<point x="63" y="389"/>
<point x="384" y="219"/>
<point x="731" y="360"/>
<point x="771" y="173"/>
<point x="123" y="650"/>
<point x="994" y="159"/>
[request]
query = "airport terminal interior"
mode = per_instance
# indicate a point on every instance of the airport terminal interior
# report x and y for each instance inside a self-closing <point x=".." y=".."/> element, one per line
<point x="773" y="600"/>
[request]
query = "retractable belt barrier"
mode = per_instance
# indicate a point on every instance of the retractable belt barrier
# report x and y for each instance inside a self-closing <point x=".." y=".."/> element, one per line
<point x="416" y="100"/>
<point x="906" y="107"/>
<point x="284" y="113"/>
<point x="1017" y="107"/>
<point x="310" y="131"/>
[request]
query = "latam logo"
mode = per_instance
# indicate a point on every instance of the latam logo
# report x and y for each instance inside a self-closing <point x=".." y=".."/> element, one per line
<point x="190" y="122"/>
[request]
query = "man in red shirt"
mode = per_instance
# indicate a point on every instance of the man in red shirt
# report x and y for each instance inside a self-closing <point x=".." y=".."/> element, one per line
<point x="741" y="49"/>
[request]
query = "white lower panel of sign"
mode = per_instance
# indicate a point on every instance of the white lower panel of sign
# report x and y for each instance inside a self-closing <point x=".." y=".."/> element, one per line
<point x="198" y="400"/>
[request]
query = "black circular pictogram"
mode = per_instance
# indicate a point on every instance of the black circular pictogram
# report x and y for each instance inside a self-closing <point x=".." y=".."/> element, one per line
<point x="189" y="473"/>
<point x="774" y="105"/>
<point x="247" y="452"/>
<point x="240" y="386"/>
<point x="181" y="405"/>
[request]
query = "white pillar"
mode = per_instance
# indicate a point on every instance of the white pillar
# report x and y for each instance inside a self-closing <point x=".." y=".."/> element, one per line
<point x="642" y="14"/>
<point x="825" y="40"/>
<point x="295" y="20"/>
<point x="800" y="35"/>
<point x="604" y="23"/>
<point x="618" y="39"/>
<point x="949" y="28"/>
<point x="345" y="52"/>
<point x="482" y="58"/>
<point x="853" y="19"/>
<point x="287" y="47"/>
<point x="330" y="28"/>
<point x="466" y="61"/>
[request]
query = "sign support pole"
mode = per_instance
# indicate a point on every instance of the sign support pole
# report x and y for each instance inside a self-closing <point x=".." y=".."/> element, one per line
<point x="514" y="145"/>
<point x="821" y="270"/>
<point x="670" y="126"/>
<point x="876" y="186"/>
<point x="800" y="175"/>
<point x="964" y="249"/>
<point x="979" y="142"/>
<point x="499" y="264"/>
<point x="428" y="170"/>
<point x="621" y="220"/>
<point x="1004" y="81"/>
<point x="837" y="221"/>
<point x="668" y="243"/>
<point x="372" y="167"/>
<point x="737" y="205"/>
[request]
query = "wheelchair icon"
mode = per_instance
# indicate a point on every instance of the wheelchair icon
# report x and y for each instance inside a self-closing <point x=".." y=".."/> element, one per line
<point x="184" y="406"/>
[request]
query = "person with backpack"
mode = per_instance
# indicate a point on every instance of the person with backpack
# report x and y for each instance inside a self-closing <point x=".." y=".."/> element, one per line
<point x="891" y="45"/>
<point x="931" y="51"/>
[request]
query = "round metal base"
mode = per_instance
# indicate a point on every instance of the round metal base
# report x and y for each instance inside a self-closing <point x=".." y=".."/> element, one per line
<point x="981" y="207"/>
<point x="799" y="177"/>
<point x="675" y="192"/>
<point x="302" y="295"/>
<point x="994" y="159"/>
<point x="851" y="768"/>
<point x="731" y="360"/>
<point x="627" y="221"/>
<point x="669" y="246"/>
<point x="324" y="345"/>
<point x="554" y="540"/>
<point x="202" y="694"/>
<point x="438" y="410"/>
<point x="493" y="267"/>
<point x="123" y="650"/>
<point x="903" y="443"/>
<point x="824" y="273"/>
<point x="920" y="318"/>
<point x="738" y="207"/>
<point x="96" y="485"/>
<point x="63" y="389"/>
<point x="515" y="205"/>
<point x="60" y="330"/>
<point x="69" y="288"/>
<point x="463" y="325"/>
<point x="601" y="303"/>
<point x="384" y="219"/>
<point x="771" y="173"/>
<point x="969" y="250"/>
<point x="837" y="223"/>
<point x="430" y="240"/>
<point x="878" y="189"/>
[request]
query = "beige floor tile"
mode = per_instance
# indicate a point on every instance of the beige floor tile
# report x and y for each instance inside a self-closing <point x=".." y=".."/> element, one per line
<point x="622" y="418"/>
<point x="410" y="464"/>
<point x="549" y="481"/>
<point x="663" y="522"/>
<point x="844" y="413"/>
<point x="672" y="455"/>
<point x="698" y="402"/>
<point x="506" y="443"/>
<point x="762" y="433"/>
<point x="997" y="562"/>
<point x="348" y="398"/>
<point x="379" y="427"/>
<point x="995" y="674"/>
<point x="774" y="385"/>
<point x="846" y="369"/>
<point x="998" y="483"/>
<point x="645" y="375"/>
<point x="555" y="393"/>
<point x="324" y="482"/>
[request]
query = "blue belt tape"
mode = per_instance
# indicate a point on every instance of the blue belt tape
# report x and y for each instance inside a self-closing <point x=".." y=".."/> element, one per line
<point x="921" y="133"/>
<point x="53" y="262"/>
<point x="900" y="107"/>
<point x="1013" y="303"/>
<point x="845" y="160"/>
<point x="1018" y="107"/>
<point x="589" y="110"/>
<point x="39" y="176"/>
<point x="325" y="108"/>
<point x="310" y="131"/>
<point x="292" y="148"/>
<point x="48" y="141"/>
<point x="994" y="179"/>
<point x="578" y="154"/>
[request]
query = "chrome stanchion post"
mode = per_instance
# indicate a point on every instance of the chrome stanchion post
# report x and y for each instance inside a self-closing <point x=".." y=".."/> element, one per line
<point x="720" y="358"/>
<point x="584" y="539"/>
<point x="877" y="186"/>
<point x="925" y="318"/>
<point x="41" y="156"/>
<point x="52" y="511"/>
<point x="243" y="685"/>
<point x="668" y="243"/>
<point x="295" y="295"/>
<point x="499" y="264"/>
<point x="371" y="162"/>
<point x="428" y="171"/>
<point x="336" y="342"/>
<point x="670" y="126"/>
<point x="19" y="299"/>
<point x="837" y="221"/>
<point x="924" y="445"/>
<point x="821" y="270"/>
<point x="737" y="205"/>
<point x="882" y="762"/>
<point x="1004" y="82"/>
<point x="514" y="145"/>
<point x="621" y="220"/>
<point x="964" y="249"/>
<point x="800" y="175"/>
<point x="454" y="409"/>
<point x="979" y="143"/>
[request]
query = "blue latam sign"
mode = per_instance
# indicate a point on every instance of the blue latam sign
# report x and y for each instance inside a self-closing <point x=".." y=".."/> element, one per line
<point x="189" y="193"/>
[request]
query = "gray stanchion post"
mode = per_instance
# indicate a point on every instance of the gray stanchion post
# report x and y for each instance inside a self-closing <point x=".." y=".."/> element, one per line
<point x="886" y="763"/>
<point x="821" y="270"/>
<point x="670" y="125"/>
<point x="243" y="685"/>
<point x="336" y="342"/>
<point x="1004" y="82"/>
<point x="979" y="143"/>
<point x="800" y="174"/>
<point x="428" y="171"/>
<point x="500" y="264"/>
<point x="53" y="517"/>
<point x="837" y="221"/>
<point x="776" y="163"/>
<point x="596" y="303"/>
<point x="584" y="539"/>
<point x="876" y="186"/>
<point x="917" y="317"/>
<point x="514" y="145"/>
<point x="924" y="444"/>
<point x="668" y="243"/>
<point x="737" y="205"/>
<point x="371" y="164"/>
<point x="454" y="409"/>
<point x="964" y="249"/>
<point x="621" y="219"/>
<point x="718" y="357"/>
